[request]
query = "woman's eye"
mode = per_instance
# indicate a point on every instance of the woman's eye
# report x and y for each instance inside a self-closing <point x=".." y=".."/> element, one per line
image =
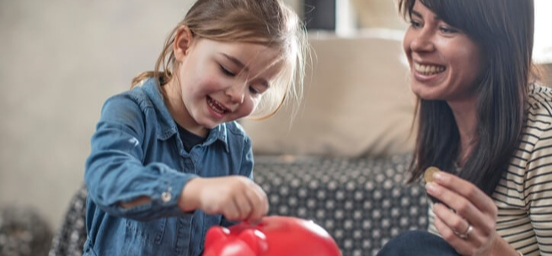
<point x="448" y="30"/>
<point x="415" y="24"/>
<point x="226" y="71"/>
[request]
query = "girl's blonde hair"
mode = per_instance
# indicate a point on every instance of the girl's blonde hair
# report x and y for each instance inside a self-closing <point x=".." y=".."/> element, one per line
<point x="266" y="22"/>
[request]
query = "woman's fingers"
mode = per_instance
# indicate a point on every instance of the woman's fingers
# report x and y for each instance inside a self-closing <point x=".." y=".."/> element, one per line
<point x="455" y="222"/>
<point x="466" y="189"/>
<point x="467" y="217"/>
<point x="462" y="246"/>
<point x="465" y="198"/>
<point x="459" y="204"/>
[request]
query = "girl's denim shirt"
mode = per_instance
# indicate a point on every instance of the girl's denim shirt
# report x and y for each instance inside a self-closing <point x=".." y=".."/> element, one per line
<point x="137" y="152"/>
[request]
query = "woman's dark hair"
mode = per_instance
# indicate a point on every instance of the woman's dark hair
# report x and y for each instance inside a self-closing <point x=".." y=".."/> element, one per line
<point x="504" y="31"/>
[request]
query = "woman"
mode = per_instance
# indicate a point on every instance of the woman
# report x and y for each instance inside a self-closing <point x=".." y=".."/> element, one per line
<point x="485" y="123"/>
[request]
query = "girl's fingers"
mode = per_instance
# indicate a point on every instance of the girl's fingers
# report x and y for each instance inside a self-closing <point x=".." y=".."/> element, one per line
<point x="244" y="207"/>
<point x="231" y="211"/>
<point x="259" y="202"/>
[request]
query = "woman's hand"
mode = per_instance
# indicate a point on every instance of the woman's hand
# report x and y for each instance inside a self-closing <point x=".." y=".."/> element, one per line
<point x="469" y="225"/>
<point x="236" y="197"/>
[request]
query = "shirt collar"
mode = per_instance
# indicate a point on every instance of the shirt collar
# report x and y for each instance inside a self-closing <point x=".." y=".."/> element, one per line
<point x="166" y="123"/>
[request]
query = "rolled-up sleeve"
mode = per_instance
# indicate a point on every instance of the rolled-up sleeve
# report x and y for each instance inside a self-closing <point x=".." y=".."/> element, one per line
<point x="115" y="171"/>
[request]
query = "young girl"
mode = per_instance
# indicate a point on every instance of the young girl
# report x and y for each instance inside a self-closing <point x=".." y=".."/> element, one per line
<point x="168" y="160"/>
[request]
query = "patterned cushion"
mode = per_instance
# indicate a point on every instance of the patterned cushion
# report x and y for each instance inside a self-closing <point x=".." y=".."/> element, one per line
<point x="23" y="232"/>
<point x="69" y="240"/>
<point x="361" y="202"/>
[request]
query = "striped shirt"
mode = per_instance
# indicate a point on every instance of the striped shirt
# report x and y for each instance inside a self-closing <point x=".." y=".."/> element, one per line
<point x="524" y="195"/>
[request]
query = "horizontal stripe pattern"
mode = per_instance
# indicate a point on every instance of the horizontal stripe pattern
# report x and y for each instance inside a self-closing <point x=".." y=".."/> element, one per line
<point x="524" y="195"/>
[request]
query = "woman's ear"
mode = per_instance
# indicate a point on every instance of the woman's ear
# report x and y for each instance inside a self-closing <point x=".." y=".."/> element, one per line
<point x="182" y="42"/>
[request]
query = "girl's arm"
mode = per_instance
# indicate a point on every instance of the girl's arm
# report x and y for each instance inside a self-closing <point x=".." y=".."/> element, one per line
<point x="116" y="178"/>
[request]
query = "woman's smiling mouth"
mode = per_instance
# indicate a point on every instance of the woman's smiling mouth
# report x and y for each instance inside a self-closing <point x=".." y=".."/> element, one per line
<point x="428" y="69"/>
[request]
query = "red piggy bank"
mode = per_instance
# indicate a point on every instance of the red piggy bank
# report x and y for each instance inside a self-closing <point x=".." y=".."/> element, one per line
<point x="273" y="236"/>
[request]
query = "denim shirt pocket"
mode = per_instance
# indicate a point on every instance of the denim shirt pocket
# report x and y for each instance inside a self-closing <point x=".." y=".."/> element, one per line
<point x="88" y="248"/>
<point x="144" y="236"/>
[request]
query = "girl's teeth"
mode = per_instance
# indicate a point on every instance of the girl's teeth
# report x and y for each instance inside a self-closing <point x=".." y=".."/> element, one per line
<point x="216" y="106"/>
<point x="428" y="69"/>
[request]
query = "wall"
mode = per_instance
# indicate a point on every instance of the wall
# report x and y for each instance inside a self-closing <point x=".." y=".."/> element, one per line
<point x="60" y="60"/>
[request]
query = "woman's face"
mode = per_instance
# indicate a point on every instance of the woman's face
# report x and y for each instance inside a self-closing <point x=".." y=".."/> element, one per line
<point x="444" y="62"/>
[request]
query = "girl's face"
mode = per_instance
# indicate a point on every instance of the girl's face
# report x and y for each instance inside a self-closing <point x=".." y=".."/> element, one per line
<point x="221" y="81"/>
<point x="444" y="62"/>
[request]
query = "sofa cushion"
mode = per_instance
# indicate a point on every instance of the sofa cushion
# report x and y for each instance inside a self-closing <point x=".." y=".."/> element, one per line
<point x="23" y="231"/>
<point x="362" y="203"/>
<point x="357" y="102"/>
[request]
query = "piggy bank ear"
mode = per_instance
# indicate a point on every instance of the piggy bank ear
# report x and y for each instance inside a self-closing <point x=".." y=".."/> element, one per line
<point x="216" y="234"/>
<point x="220" y="242"/>
<point x="255" y="239"/>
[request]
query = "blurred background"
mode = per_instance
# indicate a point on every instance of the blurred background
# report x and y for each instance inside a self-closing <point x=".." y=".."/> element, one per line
<point x="60" y="60"/>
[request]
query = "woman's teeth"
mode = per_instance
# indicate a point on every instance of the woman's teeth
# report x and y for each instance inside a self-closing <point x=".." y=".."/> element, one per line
<point x="428" y="69"/>
<point x="217" y="107"/>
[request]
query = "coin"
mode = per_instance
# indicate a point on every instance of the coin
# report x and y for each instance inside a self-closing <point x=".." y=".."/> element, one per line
<point x="428" y="174"/>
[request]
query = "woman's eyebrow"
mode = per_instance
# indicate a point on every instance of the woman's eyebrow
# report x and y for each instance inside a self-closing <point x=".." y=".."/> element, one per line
<point x="415" y="13"/>
<point x="419" y="15"/>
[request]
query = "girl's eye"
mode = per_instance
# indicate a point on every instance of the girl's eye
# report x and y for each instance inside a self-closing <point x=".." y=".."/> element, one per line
<point x="226" y="71"/>
<point x="253" y="90"/>
<point x="257" y="89"/>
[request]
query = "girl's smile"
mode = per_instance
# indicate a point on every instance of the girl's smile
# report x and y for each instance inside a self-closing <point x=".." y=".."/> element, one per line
<point x="217" y="82"/>
<point x="218" y="110"/>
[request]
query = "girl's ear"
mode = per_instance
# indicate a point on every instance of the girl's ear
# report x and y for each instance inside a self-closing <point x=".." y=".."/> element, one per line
<point x="182" y="42"/>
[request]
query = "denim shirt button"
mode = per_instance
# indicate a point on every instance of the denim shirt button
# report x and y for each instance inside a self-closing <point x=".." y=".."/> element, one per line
<point x="165" y="197"/>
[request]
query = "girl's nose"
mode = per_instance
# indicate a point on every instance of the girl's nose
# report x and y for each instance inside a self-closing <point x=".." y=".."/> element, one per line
<point x="236" y="93"/>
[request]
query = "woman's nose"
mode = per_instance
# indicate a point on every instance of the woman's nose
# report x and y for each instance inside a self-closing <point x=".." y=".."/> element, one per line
<point x="422" y="41"/>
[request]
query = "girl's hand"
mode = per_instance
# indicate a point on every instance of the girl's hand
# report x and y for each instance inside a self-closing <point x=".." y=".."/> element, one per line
<point x="236" y="197"/>
<point x="469" y="225"/>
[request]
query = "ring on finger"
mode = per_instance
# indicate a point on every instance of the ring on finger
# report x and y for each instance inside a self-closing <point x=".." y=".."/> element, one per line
<point x="466" y="234"/>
